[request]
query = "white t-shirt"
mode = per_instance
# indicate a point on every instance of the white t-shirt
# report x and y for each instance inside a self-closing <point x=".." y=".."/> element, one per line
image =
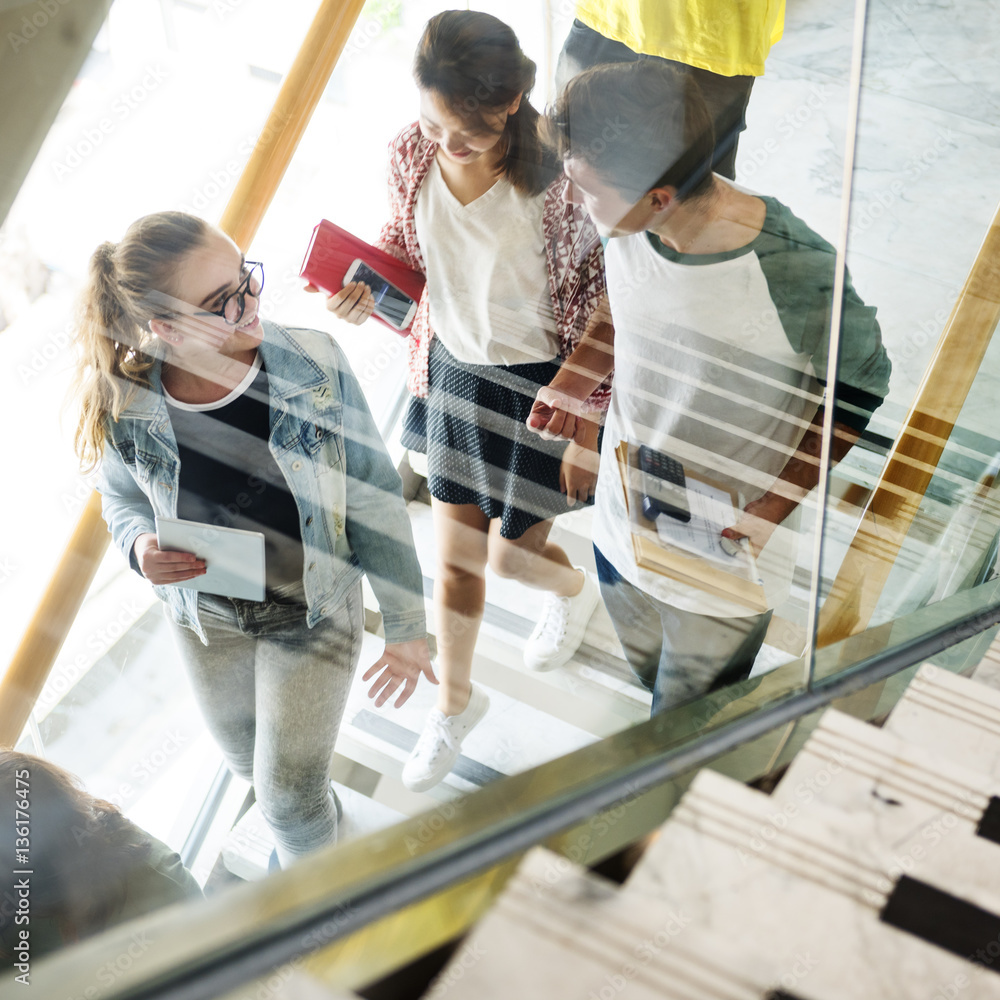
<point x="486" y="273"/>
<point x="720" y="361"/>
<point x="704" y="371"/>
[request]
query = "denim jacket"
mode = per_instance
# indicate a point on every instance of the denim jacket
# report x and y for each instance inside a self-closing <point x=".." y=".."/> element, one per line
<point x="324" y="440"/>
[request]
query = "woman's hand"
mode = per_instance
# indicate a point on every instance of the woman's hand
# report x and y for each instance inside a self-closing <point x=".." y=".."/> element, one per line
<point x="400" y="663"/>
<point x="353" y="303"/>
<point x="555" y="415"/>
<point x="165" y="567"/>
<point x="578" y="472"/>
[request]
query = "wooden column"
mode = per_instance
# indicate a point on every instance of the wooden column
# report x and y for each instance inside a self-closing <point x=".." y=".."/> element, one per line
<point x="918" y="448"/>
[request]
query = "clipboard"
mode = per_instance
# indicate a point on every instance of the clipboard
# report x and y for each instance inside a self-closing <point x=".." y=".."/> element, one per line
<point x="732" y="578"/>
<point x="331" y="252"/>
<point x="234" y="558"/>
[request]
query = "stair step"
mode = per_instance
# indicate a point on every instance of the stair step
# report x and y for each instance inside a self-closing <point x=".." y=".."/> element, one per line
<point x="246" y="851"/>
<point x="511" y="738"/>
<point x="809" y="884"/>
<point x="953" y="716"/>
<point x="913" y="795"/>
<point x="559" y="931"/>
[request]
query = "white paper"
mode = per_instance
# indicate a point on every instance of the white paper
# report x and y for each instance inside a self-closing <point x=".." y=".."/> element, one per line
<point x="711" y="511"/>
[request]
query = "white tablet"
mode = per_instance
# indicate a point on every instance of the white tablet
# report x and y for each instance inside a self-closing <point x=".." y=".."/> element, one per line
<point x="234" y="559"/>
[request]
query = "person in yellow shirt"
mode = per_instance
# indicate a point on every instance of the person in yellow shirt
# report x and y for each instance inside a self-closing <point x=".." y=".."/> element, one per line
<point x="723" y="46"/>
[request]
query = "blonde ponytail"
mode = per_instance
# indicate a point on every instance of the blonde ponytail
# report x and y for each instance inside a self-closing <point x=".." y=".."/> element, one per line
<point x="116" y="349"/>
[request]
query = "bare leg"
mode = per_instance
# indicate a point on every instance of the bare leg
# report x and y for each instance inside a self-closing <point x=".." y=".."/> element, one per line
<point x="460" y="532"/>
<point x="533" y="560"/>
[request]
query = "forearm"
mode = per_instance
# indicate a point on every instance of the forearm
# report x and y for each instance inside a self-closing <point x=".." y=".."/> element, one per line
<point x="592" y="361"/>
<point x="378" y="529"/>
<point x="802" y="471"/>
<point x="124" y="506"/>
<point x="377" y="524"/>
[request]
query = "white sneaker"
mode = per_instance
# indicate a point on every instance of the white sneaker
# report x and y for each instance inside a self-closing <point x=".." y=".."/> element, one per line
<point x="559" y="631"/>
<point x="440" y="743"/>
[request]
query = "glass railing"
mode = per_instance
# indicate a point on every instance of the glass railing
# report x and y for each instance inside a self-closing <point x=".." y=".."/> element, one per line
<point x="874" y="184"/>
<point x="584" y="805"/>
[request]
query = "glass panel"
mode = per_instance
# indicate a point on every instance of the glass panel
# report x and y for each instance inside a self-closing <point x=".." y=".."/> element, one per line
<point x="166" y="113"/>
<point x="914" y="236"/>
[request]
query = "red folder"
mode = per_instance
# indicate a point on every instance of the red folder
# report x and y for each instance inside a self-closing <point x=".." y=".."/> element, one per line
<point x="331" y="252"/>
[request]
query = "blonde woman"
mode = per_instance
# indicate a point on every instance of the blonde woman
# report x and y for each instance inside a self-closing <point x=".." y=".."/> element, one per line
<point x="196" y="408"/>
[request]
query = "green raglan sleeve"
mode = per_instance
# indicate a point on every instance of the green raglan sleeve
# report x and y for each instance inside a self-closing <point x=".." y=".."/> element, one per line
<point x="800" y="270"/>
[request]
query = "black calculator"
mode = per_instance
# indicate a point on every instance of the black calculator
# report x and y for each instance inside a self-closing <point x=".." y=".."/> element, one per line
<point x="664" y="486"/>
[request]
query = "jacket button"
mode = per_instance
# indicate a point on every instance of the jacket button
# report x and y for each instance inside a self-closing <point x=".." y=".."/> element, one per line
<point x="296" y="465"/>
<point x="312" y="566"/>
<point x="309" y="520"/>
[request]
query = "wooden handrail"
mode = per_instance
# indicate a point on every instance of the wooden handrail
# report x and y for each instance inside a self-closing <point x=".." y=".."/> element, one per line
<point x="915" y="455"/>
<point x="48" y="628"/>
<point x="297" y="99"/>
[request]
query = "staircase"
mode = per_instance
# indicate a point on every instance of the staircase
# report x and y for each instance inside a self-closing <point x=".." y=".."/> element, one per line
<point x="871" y="871"/>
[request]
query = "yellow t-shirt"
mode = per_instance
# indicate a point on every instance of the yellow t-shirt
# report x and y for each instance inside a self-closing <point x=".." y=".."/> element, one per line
<point x="730" y="38"/>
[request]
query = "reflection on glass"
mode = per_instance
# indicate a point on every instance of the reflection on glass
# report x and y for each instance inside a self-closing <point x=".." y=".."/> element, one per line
<point x="78" y="865"/>
<point x="932" y="526"/>
<point x="233" y="432"/>
<point x="721" y="303"/>
<point x="721" y="327"/>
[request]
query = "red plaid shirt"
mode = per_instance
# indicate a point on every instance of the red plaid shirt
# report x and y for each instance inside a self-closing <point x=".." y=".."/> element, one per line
<point x="574" y="258"/>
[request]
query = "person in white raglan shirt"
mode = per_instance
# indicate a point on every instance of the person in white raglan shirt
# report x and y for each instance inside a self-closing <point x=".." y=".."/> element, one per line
<point x="718" y="330"/>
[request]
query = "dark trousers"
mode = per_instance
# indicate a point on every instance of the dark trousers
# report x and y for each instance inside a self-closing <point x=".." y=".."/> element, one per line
<point x="726" y="96"/>
<point x="678" y="655"/>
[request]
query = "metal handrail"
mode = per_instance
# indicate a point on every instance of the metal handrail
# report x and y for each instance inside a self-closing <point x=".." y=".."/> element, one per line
<point x="330" y="895"/>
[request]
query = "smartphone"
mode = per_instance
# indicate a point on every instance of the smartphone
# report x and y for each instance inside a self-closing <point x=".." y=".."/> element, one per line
<point x="664" y="485"/>
<point x="391" y="304"/>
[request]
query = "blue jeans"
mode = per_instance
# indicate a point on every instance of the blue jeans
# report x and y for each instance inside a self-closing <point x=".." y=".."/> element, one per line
<point x="273" y="691"/>
<point x="678" y="655"/>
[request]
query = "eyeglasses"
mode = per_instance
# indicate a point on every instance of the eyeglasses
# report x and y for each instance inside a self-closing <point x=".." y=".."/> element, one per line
<point x="236" y="302"/>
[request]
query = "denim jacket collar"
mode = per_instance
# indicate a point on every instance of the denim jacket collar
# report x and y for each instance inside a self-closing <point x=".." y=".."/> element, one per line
<point x="290" y="373"/>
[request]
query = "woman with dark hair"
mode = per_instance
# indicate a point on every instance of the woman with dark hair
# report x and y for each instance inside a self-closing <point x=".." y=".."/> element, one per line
<point x="197" y="409"/>
<point x="90" y="868"/>
<point x="513" y="275"/>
